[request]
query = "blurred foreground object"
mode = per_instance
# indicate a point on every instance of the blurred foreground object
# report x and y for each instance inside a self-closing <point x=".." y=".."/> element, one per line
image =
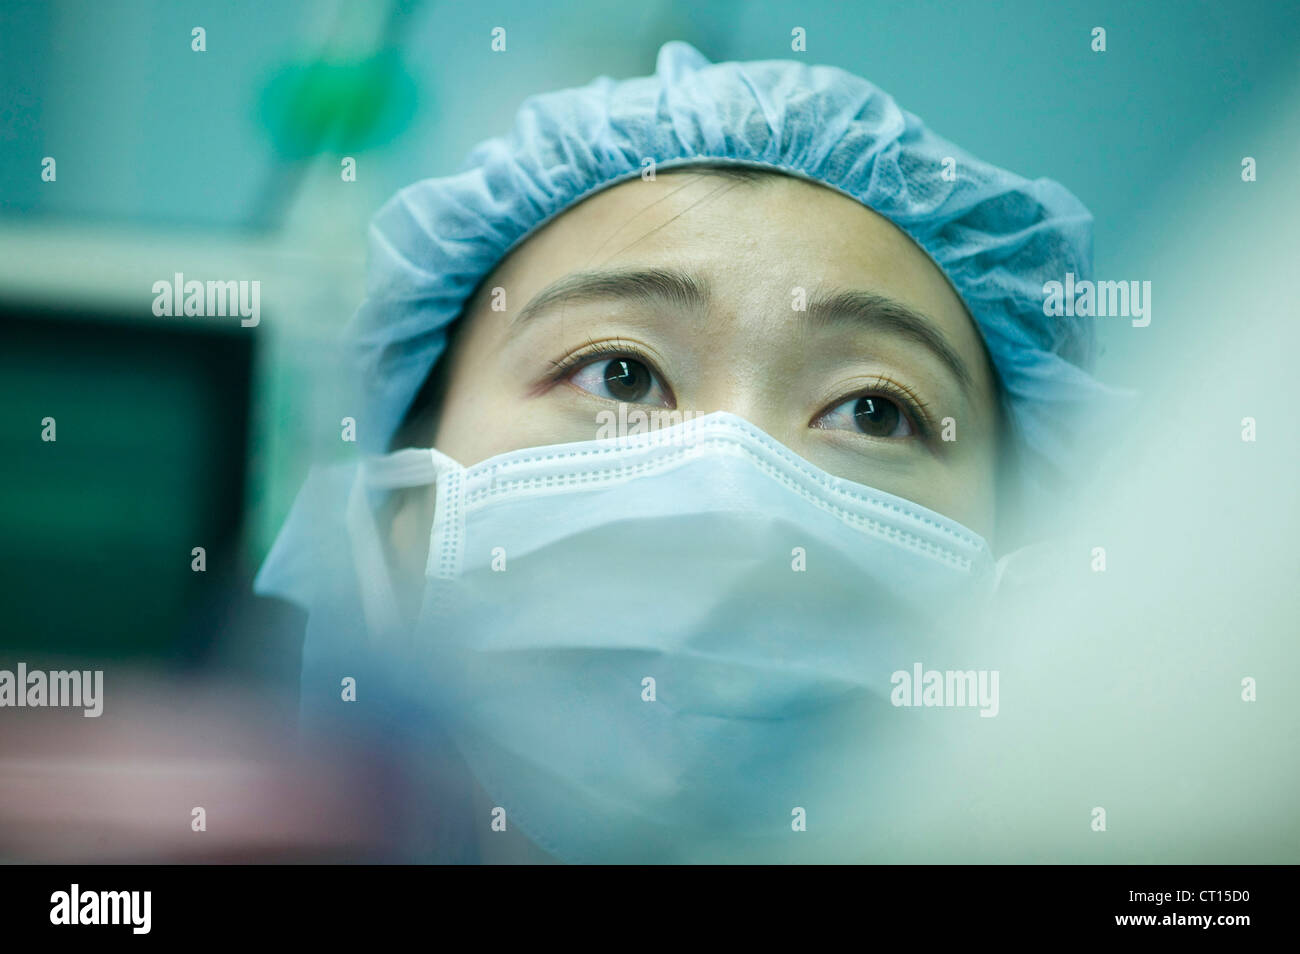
<point x="125" y="787"/>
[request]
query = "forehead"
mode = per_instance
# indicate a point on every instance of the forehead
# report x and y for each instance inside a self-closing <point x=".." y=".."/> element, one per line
<point x="754" y="242"/>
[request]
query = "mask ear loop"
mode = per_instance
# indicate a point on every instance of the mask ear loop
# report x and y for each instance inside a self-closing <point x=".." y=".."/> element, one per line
<point x="406" y="468"/>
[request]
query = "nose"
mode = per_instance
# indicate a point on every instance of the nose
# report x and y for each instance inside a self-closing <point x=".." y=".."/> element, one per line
<point x="747" y="401"/>
<point x="751" y="367"/>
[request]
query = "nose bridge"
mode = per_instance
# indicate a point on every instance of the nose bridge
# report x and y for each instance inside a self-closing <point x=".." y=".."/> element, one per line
<point x="744" y="405"/>
<point x="751" y="354"/>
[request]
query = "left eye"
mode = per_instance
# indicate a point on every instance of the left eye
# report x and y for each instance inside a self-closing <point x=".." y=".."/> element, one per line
<point x="871" y="414"/>
<point x="622" y="379"/>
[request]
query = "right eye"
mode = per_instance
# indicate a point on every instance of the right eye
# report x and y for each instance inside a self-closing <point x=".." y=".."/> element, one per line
<point x="873" y="415"/>
<point x="623" y="379"/>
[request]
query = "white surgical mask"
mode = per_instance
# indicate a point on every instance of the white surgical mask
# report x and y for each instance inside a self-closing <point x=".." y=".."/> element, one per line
<point x="674" y="646"/>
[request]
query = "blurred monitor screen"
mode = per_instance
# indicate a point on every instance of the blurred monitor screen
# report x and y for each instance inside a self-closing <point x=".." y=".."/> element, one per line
<point x="98" y="526"/>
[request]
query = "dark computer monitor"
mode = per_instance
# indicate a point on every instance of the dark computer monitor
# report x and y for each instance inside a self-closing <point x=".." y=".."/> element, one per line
<point x="97" y="527"/>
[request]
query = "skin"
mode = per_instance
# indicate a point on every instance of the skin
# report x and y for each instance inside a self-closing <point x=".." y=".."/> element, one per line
<point x="746" y="351"/>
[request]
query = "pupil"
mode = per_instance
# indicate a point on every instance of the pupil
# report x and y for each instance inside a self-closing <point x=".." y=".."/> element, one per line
<point x="876" y="416"/>
<point x="627" y="380"/>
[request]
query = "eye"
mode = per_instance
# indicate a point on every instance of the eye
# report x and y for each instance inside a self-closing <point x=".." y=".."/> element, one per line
<point x="871" y="414"/>
<point x="621" y="378"/>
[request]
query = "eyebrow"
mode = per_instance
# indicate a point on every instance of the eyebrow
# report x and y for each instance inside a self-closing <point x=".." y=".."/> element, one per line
<point x="651" y="286"/>
<point x="887" y="315"/>
<point x="679" y="289"/>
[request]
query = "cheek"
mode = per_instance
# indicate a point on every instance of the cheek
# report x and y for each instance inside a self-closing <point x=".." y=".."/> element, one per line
<point x="479" y="406"/>
<point x="494" y="414"/>
<point x="478" y="423"/>
<point x="968" y="492"/>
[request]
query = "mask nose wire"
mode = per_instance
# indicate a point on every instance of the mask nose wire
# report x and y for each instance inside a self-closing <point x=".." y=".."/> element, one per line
<point x="405" y="468"/>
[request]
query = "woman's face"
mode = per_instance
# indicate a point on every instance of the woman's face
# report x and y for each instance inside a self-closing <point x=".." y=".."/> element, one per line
<point x="778" y="300"/>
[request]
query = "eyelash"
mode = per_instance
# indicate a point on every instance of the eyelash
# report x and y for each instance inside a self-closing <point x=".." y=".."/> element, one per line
<point x="917" y="410"/>
<point x="614" y="348"/>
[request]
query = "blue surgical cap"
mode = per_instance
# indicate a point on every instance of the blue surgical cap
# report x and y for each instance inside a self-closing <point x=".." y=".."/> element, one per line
<point x="997" y="236"/>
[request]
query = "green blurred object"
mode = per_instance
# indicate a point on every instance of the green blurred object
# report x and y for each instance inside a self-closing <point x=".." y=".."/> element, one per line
<point x="348" y="106"/>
